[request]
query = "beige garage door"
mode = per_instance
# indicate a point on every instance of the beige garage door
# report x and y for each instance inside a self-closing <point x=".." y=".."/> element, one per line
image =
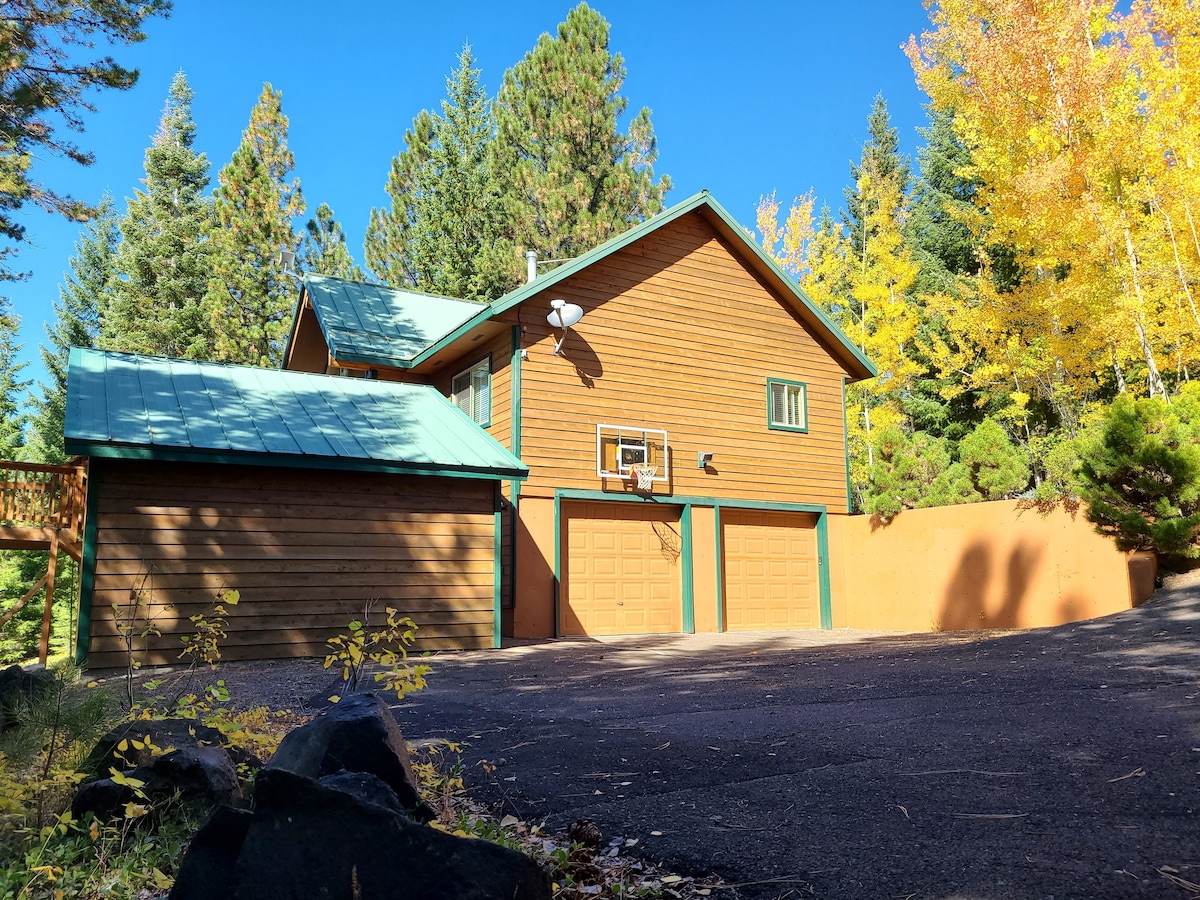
<point x="622" y="569"/>
<point x="770" y="565"/>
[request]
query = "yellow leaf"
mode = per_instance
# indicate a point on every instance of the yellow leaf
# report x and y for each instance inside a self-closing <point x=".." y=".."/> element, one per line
<point x="94" y="831"/>
<point x="335" y="699"/>
<point x="135" y="810"/>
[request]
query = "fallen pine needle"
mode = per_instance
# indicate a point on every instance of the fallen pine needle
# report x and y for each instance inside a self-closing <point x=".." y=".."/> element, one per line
<point x="1136" y="773"/>
<point x="962" y="772"/>
<point x="782" y="879"/>
<point x="989" y="815"/>
<point x="905" y="811"/>
<point x="1166" y="873"/>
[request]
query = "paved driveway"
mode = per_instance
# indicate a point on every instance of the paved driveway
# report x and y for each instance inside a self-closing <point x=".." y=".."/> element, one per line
<point x="1056" y="763"/>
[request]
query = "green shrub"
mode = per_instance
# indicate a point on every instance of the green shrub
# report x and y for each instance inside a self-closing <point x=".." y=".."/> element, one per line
<point x="1140" y="474"/>
<point x="914" y="472"/>
<point x="998" y="467"/>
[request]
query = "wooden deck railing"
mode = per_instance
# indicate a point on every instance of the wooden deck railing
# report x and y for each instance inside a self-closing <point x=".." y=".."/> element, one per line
<point x="42" y="508"/>
<point x="40" y="496"/>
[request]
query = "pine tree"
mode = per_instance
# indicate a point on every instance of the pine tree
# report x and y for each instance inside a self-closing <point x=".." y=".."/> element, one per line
<point x="249" y="295"/>
<point x="82" y="294"/>
<point x="391" y="232"/>
<point x="442" y="233"/>
<point x="940" y="226"/>
<point x="12" y="388"/>
<point x="880" y="157"/>
<point x="572" y="178"/>
<point x="323" y="248"/>
<point x="163" y="264"/>
<point x="42" y="85"/>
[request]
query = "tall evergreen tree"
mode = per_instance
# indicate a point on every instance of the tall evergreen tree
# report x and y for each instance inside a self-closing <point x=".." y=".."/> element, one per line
<point x="249" y="295"/>
<point x="42" y="80"/>
<point x="881" y="158"/>
<point x="82" y="294"/>
<point x="12" y="387"/>
<point x="443" y="233"/>
<point x="391" y="232"/>
<point x="163" y="264"/>
<point x="572" y="178"/>
<point x="939" y="228"/>
<point x="323" y="248"/>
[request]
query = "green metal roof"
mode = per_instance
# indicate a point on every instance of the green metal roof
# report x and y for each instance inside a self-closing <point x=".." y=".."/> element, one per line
<point x="377" y="325"/>
<point x="372" y="324"/>
<point x="121" y="405"/>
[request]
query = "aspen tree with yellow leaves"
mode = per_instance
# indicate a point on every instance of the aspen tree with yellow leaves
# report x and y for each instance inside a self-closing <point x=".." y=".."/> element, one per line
<point x="1082" y="139"/>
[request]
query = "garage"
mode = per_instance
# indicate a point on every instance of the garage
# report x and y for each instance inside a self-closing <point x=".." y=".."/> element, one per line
<point x="623" y="571"/>
<point x="770" y="571"/>
<point x="319" y="499"/>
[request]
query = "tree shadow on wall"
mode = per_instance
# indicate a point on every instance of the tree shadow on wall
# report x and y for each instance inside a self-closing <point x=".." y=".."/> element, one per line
<point x="965" y="603"/>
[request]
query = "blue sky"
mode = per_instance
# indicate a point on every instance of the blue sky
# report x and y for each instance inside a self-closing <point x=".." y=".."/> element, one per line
<point x="746" y="98"/>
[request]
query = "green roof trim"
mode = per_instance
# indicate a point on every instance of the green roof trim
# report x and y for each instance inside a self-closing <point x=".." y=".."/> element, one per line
<point x="142" y="407"/>
<point x="374" y="324"/>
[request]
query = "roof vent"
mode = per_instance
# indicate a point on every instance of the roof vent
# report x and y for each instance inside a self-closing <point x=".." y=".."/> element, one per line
<point x="530" y="265"/>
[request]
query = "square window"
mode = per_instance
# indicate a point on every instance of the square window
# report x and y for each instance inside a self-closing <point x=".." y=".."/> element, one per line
<point x="471" y="392"/>
<point x="787" y="405"/>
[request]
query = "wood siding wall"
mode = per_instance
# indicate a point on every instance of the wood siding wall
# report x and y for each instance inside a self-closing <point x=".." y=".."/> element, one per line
<point x="498" y="350"/>
<point x="306" y="549"/>
<point x="309" y="353"/>
<point x="678" y="335"/>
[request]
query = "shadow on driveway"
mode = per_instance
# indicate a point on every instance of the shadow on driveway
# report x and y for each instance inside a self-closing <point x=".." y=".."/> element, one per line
<point x="1061" y="762"/>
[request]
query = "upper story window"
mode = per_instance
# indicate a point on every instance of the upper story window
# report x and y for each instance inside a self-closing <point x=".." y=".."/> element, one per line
<point x="787" y="405"/>
<point x="471" y="391"/>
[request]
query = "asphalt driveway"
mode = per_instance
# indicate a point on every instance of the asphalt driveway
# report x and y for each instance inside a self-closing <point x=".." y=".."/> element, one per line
<point x="1056" y="763"/>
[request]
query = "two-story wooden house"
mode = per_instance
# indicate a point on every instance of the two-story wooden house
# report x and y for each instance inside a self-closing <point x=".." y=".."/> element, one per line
<point x="649" y="438"/>
<point x="693" y="356"/>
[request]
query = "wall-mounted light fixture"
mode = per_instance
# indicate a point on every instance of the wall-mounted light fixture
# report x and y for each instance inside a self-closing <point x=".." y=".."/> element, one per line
<point x="704" y="459"/>
<point x="563" y="315"/>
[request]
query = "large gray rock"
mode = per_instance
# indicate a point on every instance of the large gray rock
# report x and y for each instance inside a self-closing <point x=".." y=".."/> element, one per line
<point x="164" y="734"/>
<point x="19" y="687"/>
<point x="308" y="841"/>
<point x="204" y="776"/>
<point x="207" y="870"/>
<point x="359" y="734"/>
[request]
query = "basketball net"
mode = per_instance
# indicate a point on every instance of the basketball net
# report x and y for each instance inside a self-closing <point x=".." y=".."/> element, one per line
<point x="645" y="476"/>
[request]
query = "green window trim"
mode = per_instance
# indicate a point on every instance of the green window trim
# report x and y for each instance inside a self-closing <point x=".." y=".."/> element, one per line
<point x="787" y="405"/>
<point x="471" y="391"/>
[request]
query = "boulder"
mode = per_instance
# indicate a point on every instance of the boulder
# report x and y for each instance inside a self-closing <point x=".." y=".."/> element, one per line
<point x="19" y="686"/>
<point x="359" y="734"/>
<point x="366" y="787"/>
<point x="164" y="734"/>
<point x="204" y="776"/>
<point x="307" y="840"/>
<point x="207" y="870"/>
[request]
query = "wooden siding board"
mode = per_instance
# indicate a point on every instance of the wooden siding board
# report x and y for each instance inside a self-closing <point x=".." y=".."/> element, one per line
<point x="300" y="585"/>
<point x="697" y="367"/>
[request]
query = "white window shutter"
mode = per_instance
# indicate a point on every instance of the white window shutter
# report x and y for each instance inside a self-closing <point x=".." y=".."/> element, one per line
<point x="778" y="404"/>
<point x="481" y="393"/>
<point x="461" y="391"/>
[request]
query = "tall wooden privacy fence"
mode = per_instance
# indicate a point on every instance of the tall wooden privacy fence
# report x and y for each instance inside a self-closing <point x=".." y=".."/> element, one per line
<point x="42" y="508"/>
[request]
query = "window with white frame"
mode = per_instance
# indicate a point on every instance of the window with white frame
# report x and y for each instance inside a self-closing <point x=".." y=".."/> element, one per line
<point x="471" y="391"/>
<point x="787" y="405"/>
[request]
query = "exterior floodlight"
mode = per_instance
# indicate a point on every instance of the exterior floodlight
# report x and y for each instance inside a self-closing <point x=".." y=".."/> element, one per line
<point x="563" y="315"/>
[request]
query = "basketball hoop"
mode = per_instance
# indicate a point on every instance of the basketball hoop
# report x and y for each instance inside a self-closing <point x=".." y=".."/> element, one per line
<point x="645" y="475"/>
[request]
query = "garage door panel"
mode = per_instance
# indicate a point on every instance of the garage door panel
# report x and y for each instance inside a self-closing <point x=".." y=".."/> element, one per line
<point x="619" y="577"/>
<point x="770" y="570"/>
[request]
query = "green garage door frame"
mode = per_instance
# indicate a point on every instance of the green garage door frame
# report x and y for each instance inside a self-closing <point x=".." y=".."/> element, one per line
<point x="688" y="560"/>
